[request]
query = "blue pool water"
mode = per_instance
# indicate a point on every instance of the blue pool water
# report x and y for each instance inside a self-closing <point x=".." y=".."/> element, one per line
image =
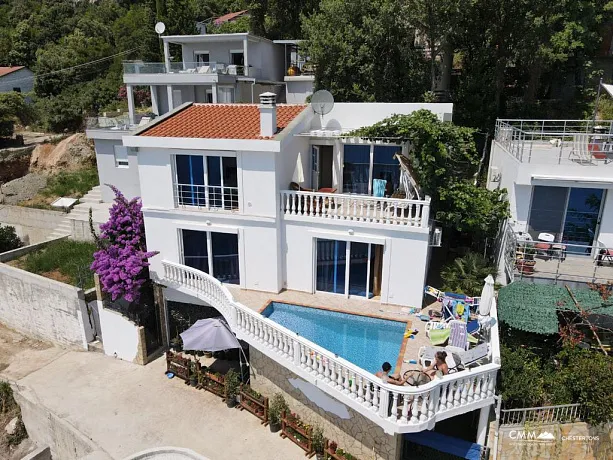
<point x="364" y="341"/>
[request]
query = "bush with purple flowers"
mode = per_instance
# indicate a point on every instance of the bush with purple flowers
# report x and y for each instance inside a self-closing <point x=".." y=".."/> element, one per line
<point x="121" y="261"/>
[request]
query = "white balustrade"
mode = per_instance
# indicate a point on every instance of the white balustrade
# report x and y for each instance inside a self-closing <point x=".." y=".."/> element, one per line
<point x="357" y="208"/>
<point x="397" y="408"/>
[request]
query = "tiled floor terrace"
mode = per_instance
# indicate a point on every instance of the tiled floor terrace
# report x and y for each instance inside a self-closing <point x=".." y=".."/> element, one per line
<point x="574" y="269"/>
<point x="257" y="300"/>
<point x="548" y="153"/>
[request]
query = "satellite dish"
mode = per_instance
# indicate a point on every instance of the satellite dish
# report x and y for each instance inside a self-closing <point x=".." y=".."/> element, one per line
<point x="160" y="27"/>
<point x="322" y="102"/>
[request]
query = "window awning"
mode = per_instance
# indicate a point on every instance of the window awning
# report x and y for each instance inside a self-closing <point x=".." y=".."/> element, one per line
<point x="447" y="444"/>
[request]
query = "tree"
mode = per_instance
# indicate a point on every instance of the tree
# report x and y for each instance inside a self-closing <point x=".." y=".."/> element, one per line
<point x="12" y="107"/>
<point x="280" y="19"/>
<point x="465" y="274"/>
<point x="122" y="258"/>
<point x="179" y="18"/>
<point x="362" y="53"/>
<point x="241" y="24"/>
<point x="9" y="239"/>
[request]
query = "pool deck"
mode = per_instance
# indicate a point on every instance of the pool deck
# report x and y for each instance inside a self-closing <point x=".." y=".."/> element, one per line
<point x="257" y="301"/>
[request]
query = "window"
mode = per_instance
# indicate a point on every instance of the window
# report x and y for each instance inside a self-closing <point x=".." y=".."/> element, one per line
<point x="364" y="163"/>
<point x="225" y="95"/>
<point x="121" y="156"/>
<point x="206" y="181"/>
<point x="237" y="57"/>
<point x="224" y="263"/>
<point x="17" y="89"/>
<point x="202" y="58"/>
<point x="349" y="268"/>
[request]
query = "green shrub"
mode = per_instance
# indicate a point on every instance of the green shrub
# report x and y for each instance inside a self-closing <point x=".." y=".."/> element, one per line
<point x="71" y="259"/>
<point x="7" y="402"/>
<point x="9" y="239"/>
<point x="465" y="274"/>
<point x="277" y="407"/>
<point x="521" y="383"/>
<point x="74" y="184"/>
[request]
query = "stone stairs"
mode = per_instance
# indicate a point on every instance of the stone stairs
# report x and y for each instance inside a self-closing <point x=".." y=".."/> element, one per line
<point x="79" y="211"/>
<point x="95" y="346"/>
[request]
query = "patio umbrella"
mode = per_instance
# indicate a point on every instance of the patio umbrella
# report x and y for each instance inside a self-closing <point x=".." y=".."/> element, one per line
<point x="211" y="334"/>
<point x="298" y="175"/>
<point x="487" y="295"/>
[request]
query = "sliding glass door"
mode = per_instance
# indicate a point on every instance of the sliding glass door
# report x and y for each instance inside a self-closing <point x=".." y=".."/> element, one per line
<point x="362" y="164"/>
<point x="571" y="215"/>
<point x="349" y="268"/>
<point x="223" y="263"/>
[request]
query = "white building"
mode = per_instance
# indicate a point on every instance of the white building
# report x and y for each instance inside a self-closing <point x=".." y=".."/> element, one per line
<point x="244" y="201"/>
<point x="220" y="68"/>
<point x="558" y="174"/>
<point x="16" y="78"/>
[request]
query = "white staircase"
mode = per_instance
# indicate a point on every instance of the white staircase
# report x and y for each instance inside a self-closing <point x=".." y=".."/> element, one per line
<point x="80" y="211"/>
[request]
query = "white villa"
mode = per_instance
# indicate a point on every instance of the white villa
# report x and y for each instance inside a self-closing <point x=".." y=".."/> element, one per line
<point x="248" y="203"/>
<point x="558" y="174"/>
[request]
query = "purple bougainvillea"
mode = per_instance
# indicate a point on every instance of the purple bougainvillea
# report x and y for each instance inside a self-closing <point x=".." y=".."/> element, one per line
<point x="122" y="258"/>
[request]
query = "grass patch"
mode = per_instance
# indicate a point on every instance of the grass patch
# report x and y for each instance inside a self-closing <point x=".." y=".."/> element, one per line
<point x="66" y="261"/>
<point x="73" y="184"/>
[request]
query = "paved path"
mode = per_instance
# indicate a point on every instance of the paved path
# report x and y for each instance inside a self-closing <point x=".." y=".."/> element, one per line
<point x="126" y="408"/>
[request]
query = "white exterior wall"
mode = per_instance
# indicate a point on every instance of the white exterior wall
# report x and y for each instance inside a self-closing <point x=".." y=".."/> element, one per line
<point x="21" y="79"/>
<point x="121" y="338"/>
<point x="218" y="51"/>
<point x="125" y="179"/>
<point x="298" y="89"/>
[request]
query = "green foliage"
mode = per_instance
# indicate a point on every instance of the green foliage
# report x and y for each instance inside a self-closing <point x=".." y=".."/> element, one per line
<point x="605" y="108"/>
<point x="73" y="184"/>
<point x="231" y="383"/>
<point x="465" y="274"/>
<point x="317" y="436"/>
<point x="361" y="52"/>
<point x="12" y="107"/>
<point x="9" y="239"/>
<point x="280" y="19"/>
<point x="7" y="402"/>
<point x="241" y="24"/>
<point x="66" y="259"/>
<point x="277" y="407"/>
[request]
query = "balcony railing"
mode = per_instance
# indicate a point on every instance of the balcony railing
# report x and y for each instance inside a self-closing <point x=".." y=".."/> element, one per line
<point x="118" y="123"/>
<point x="356" y="208"/>
<point x="398" y="409"/>
<point x="526" y="258"/>
<point x="207" y="197"/>
<point x="557" y="141"/>
<point x="202" y="68"/>
<point x="567" y="413"/>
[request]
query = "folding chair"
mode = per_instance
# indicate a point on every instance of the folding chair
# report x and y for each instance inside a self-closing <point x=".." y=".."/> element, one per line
<point x="581" y="148"/>
<point x="458" y="336"/>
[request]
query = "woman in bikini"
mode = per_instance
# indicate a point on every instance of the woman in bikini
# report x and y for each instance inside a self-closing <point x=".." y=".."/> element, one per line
<point x="438" y="365"/>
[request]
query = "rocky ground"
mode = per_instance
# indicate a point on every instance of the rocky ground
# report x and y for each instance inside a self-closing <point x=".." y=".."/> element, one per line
<point x="22" y="189"/>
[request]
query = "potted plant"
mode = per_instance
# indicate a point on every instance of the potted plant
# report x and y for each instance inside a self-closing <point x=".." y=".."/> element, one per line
<point x="333" y="447"/>
<point x="193" y="373"/>
<point x="176" y="344"/>
<point x="318" y="440"/>
<point x="231" y="384"/>
<point x="208" y="354"/>
<point x="277" y="407"/>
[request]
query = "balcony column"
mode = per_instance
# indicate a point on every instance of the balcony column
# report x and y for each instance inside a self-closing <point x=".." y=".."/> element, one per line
<point x="484" y="415"/>
<point x="245" y="59"/>
<point x="153" y="90"/>
<point x="170" y="102"/>
<point x="214" y="93"/>
<point x="130" y="94"/>
<point x="167" y="56"/>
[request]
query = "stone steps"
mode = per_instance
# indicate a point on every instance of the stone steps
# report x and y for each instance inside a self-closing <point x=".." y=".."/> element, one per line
<point x="95" y="347"/>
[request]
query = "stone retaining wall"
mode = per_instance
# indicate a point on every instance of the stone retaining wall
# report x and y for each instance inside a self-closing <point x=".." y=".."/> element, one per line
<point x="32" y="225"/>
<point x="356" y="435"/>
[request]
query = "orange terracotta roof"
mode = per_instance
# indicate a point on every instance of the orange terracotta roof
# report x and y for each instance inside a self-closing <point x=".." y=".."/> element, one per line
<point x="229" y="17"/>
<point x="220" y="121"/>
<point x="7" y="70"/>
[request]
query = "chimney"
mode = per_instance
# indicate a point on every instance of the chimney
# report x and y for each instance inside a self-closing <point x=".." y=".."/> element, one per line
<point x="268" y="114"/>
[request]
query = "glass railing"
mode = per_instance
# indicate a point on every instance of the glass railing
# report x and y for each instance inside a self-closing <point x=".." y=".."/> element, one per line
<point x="117" y="123"/>
<point x="205" y="68"/>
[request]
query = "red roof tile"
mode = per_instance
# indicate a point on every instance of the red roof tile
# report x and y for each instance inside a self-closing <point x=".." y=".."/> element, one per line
<point x="7" y="70"/>
<point x="229" y="17"/>
<point x="220" y="121"/>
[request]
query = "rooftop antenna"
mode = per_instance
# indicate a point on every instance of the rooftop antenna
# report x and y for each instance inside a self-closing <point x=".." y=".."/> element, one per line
<point x="322" y="102"/>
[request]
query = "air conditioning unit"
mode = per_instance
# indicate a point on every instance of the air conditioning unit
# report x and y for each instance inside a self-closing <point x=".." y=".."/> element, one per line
<point x="436" y="237"/>
<point x="495" y="174"/>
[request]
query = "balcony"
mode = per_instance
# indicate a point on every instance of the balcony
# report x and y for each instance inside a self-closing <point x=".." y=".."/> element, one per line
<point x="397" y="409"/>
<point x="206" y="68"/>
<point x="366" y="209"/>
<point x="557" y="262"/>
<point x="557" y="142"/>
<point x="118" y="123"/>
<point x="206" y="197"/>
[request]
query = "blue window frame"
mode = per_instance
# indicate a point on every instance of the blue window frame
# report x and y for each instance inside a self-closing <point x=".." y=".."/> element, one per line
<point x="190" y="179"/>
<point x="356" y="169"/>
<point x="223" y="263"/>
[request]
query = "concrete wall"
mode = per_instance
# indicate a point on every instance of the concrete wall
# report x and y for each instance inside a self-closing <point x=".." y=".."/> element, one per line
<point x="47" y="429"/>
<point x="32" y="225"/>
<point x="298" y="90"/>
<point x="44" y="308"/>
<point x="21" y="79"/>
<point x="120" y="336"/>
<point x="355" y="434"/>
<point x="125" y="179"/>
<point x="572" y="441"/>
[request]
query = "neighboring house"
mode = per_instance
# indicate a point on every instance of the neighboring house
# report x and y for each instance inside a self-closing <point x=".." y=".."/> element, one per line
<point x="218" y="68"/>
<point x="227" y="202"/>
<point x="230" y="17"/>
<point x="559" y="176"/>
<point x="16" y="78"/>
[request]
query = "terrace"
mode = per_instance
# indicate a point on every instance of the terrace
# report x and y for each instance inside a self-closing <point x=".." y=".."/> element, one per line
<point x="397" y="409"/>
<point x="557" y="142"/>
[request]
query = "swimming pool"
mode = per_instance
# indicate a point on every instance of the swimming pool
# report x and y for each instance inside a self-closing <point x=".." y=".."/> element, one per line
<point x="362" y="340"/>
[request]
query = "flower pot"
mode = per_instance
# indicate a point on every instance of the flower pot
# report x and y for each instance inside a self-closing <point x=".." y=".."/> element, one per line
<point x="319" y="456"/>
<point x="231" y="402"/>
<point x="274" y="427"/>
<point x="193" y="381"/>
<point x="208" y="354"/>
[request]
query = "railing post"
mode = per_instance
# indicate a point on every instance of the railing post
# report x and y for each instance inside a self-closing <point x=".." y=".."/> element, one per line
<point x="384" y="396"/>
<point x="425" y="213"/>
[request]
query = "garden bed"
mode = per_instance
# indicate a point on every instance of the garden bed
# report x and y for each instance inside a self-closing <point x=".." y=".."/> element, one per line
<point x="297" y="432"/>
<point x="254" y="403"/>
<point x="65" y="261"/>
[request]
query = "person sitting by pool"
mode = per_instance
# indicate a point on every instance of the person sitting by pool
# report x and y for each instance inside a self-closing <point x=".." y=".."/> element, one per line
<point x="438" y="365"/>
<point x="386" y="378"/>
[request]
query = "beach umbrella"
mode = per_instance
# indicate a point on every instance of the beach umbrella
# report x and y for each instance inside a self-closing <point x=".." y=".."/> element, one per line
<point x="487" y="295"/>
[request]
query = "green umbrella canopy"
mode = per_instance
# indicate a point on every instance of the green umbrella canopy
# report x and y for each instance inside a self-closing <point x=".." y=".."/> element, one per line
<point x="532" y="307"/>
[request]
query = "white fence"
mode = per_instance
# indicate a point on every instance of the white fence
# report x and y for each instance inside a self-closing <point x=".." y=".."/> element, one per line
<point x="396" y="409"/>
<point x="567" y="413"/>
<point x="358" y="208"/>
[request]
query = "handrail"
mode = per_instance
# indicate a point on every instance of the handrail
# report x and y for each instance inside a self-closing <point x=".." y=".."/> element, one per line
<point x="355" y="207"/>
<point x="545" y="414"/>
<point x="396" y="408"/>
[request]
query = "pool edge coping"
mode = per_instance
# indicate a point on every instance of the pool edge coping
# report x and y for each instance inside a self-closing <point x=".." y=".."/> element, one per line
<point x="405" y="336"/>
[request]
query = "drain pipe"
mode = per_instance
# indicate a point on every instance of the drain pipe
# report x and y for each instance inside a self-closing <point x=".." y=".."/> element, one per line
<point x="252" y="86"/>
